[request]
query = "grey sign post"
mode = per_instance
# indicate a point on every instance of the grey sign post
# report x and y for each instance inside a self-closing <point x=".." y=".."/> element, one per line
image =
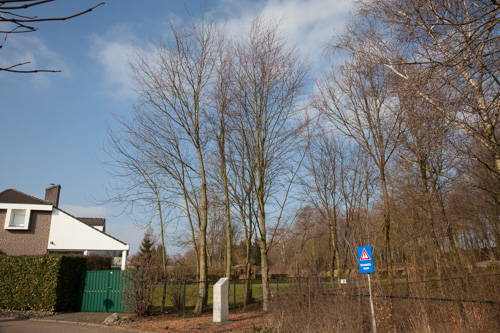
<point x="365" y="259"/>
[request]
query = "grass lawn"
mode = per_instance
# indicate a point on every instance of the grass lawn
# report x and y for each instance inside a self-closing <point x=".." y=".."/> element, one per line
<point x="179" y="290"/>
<point x="189" y="290"/>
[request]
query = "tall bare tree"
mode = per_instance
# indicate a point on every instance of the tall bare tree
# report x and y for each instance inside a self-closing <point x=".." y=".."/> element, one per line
<point x="242" y="191"/>
<point x="220" y="131"/>
<point x="359" y="100"/>
<point x="139" y="181"/>
<point x="270" y="78"/>
<point x="175" y="86"/>
<point x="324" y="191"/>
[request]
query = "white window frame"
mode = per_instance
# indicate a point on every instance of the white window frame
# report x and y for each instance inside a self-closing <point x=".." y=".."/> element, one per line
<point x="12" y="209"/>
<point x="11" y="217"/>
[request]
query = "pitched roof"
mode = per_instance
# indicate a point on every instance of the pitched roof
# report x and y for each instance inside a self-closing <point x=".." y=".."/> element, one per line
<point x="13" y="196"/>
<point x="92" y="221"/>
<point x="17" y="197"/>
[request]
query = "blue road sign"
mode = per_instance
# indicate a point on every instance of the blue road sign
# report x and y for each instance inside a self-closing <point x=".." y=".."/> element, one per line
<point x="365" y="260"/>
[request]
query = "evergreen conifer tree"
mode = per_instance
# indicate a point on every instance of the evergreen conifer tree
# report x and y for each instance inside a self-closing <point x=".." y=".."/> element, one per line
<point x="148" y="244"/>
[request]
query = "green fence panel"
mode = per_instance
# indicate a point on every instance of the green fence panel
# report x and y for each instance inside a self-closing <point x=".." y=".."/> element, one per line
<point x="101" y="291"/>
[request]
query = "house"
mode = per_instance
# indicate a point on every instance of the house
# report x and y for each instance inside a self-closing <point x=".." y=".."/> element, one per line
<point x="32" y="226"/>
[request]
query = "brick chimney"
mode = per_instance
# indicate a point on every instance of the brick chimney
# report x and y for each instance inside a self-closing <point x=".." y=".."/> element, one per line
<point x="52" y="194"/>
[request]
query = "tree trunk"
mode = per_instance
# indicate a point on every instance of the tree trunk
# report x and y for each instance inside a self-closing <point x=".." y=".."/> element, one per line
<point x="202" y="299"/>
<point x="163" y="253"/>
<point x="387" y="229"/>
<point x="263" y="244"/>
<point x="265" y="275"/>
<point x="248" y="264"/>
<point x="229" y="243"/>
<point x="430" y="219"/>
<point x="335" y="247"/>
<point x="248" y="273"/>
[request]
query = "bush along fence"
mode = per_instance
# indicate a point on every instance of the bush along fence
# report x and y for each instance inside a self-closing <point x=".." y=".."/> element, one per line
<point x="468" y="303"/>
<point x="41" y="283"/>
<point x="485" y="289"/>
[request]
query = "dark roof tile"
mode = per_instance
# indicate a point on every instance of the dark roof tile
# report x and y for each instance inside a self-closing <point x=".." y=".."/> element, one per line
<point x="17" y="197"/>
<point x="92" y="221"/>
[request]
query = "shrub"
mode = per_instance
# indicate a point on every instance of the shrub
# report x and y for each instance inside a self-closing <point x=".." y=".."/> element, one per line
<point x="41" y="283"/>
<point x="470" y="305"/>
<point x="142" y="278"/>
<point x="98" y="262"/>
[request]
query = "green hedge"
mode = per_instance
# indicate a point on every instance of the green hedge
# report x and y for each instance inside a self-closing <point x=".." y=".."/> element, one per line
<point x="42" y="283"/>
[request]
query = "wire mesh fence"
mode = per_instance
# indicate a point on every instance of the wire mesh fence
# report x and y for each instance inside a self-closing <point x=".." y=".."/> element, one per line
<point x="182" y="295"/>
<point x="462" y="304"/>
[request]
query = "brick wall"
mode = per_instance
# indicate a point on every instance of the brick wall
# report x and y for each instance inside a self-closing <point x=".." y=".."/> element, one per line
<point x="31" y="241"/>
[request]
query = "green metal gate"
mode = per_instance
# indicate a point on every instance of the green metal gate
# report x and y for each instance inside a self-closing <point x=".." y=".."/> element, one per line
<point x="101" y="291"/>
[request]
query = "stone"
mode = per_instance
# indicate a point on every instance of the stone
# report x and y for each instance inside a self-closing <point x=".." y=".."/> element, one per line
<point x="221" y="301"/>
<point x="114" y="319"/>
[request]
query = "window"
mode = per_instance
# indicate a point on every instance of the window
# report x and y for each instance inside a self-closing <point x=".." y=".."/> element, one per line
<point x="18" y="216"/>
<point x="17" y="219"/>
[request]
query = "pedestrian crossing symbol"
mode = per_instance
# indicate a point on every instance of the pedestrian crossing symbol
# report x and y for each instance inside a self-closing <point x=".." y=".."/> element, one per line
<point x="364" y="255"/>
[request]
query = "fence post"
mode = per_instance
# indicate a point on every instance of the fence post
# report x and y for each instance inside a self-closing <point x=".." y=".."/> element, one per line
<point x="234" y="295"/>
<point x="184" y="301"/>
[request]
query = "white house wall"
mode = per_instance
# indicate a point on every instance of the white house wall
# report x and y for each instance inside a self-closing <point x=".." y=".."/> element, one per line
<point x="67" y="233"/>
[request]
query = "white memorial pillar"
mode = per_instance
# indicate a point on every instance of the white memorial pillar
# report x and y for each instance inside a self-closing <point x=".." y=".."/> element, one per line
<point x="124" y="260"/>
<point x="221" y="300"/>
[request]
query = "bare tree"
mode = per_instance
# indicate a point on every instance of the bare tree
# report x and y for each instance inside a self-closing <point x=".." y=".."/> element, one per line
<point x="357" y="183"/>
<point x="174" y="83"/>
<point x="269" y="80"/>
<point x="361" y="104"/>
<point x="427" y="154"/>
<point x="323" y="191"/>
<point x="242" y="192"/>
<point x="139" y="182"/>
<point x="15" y="18"/>
<point x="143" y="273"/>
<point x="220" y="131"/>
<point x="456" y="46"/>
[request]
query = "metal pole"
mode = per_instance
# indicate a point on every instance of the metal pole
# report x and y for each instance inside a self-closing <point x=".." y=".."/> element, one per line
<point x="374" y="322"/>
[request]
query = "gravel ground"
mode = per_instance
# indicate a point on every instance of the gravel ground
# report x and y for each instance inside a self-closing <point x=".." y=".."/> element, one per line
<point x="77" y="317"/>
<point x="6" y="314"/>
<point x="244" y="322"/>
<point x="82" y="317"/>
<point x="240" y="322"/>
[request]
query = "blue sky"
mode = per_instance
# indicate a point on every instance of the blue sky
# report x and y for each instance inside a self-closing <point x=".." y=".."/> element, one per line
<point x="53" y="125"/>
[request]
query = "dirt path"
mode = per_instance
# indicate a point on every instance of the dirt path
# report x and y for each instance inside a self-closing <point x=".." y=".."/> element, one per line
<point x="240" y="322"/>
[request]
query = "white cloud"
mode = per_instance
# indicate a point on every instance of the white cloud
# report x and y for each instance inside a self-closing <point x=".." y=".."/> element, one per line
<point x="112" y="51"/>
<point x="86" y="211"/>
<point x="309" y="24"/>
